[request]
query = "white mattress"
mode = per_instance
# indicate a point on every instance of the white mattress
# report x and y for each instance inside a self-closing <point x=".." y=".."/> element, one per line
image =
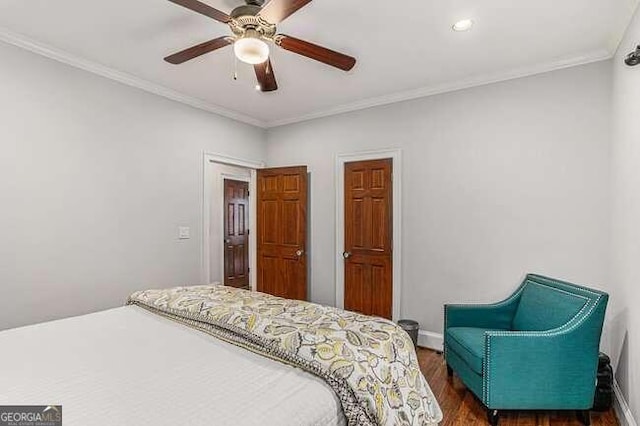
<point x="127" y="366"/>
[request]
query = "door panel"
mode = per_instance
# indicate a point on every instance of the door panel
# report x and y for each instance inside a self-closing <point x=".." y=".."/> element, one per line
<point x="356" y="294"/>
<point x="236" y="237"/>
<point x="269" y="219"/>
<point x="281" y="233"/>
<point x="291" y="230"/>
<point x="368" y="237"/>
<point x="381" y="289"/>
<point x="379" y="224"/>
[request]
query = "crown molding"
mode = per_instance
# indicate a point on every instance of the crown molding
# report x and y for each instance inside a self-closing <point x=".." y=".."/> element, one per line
<point x="59" y="55"/>
<point x="595" y="56"/>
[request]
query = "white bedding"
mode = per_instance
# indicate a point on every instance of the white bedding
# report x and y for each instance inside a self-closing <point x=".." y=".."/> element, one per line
<point x="127" y="366"/>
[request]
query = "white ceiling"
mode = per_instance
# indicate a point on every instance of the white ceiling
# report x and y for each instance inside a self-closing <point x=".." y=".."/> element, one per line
<point x="404" y="48"/>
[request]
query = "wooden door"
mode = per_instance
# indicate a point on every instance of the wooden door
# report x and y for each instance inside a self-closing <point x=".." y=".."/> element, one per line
<point x="282" y="232"/>
<point x="236" y="233"/>
<point x="368" y="268"/>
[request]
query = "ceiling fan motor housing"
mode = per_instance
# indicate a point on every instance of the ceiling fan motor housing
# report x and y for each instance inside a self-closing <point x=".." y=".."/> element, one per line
<point x="246" y="18"/>
<point x="245" y="10"/>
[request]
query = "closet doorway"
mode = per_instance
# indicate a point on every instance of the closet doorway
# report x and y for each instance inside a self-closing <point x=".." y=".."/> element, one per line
<point x="222" y="232"/>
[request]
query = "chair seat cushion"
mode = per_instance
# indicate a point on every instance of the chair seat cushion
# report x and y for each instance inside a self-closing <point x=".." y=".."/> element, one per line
<point x="468" y="344"/>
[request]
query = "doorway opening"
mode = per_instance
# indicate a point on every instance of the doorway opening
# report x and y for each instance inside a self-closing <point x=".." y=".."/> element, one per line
<point x="228" y="243"/>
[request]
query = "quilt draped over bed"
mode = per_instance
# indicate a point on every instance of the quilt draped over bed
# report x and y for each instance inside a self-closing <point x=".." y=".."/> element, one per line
<point x="370" y="363"/>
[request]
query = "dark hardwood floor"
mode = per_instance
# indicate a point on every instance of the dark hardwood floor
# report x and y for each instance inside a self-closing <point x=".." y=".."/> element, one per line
<point x="460" y="406"/>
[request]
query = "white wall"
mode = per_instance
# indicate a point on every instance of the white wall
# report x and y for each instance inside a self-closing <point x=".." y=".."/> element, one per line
<point x="95" y="178"/>
<point x="498" y="181"/>
<point x="625" y="272"/>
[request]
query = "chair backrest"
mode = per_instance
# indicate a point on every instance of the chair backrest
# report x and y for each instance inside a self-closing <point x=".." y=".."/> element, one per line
<point x="545" y="305"/>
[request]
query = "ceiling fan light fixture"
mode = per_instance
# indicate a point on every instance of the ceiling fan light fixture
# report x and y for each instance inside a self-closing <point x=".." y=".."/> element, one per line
<point x="251" y="49"/>
<point x="253" y="28"/>
<point x="463" y="25"/>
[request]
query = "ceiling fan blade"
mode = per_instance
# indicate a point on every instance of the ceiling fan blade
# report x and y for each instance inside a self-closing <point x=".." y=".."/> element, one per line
<point x="198" y="50"/>
<point x="276" y="11"/>
<point x="204" y="9"/>
<point x="266" y="77"/>
<point x="316" y="52"/>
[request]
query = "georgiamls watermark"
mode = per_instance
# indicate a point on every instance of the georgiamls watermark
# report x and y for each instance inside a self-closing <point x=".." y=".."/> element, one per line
<point x="31" y="415"/>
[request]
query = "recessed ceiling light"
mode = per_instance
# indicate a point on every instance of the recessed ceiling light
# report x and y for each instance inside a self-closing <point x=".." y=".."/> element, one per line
<point x="463" y="25"/>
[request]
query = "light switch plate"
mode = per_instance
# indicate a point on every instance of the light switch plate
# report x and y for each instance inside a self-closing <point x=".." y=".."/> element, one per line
<point x="184" y="232"/>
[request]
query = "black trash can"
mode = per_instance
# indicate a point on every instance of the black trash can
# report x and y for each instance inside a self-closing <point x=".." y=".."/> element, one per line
<point x="603" y="400"/>
<point x="411" y="327"/>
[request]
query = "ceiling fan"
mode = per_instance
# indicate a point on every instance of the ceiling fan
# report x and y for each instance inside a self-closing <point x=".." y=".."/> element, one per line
<point x="253" y="25"/>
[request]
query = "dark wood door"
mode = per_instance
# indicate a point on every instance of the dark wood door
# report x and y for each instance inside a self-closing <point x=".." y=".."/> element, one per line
<point x="236" y="233"/>
<point x="368" y="268"/>
<point x="282" y="232"/>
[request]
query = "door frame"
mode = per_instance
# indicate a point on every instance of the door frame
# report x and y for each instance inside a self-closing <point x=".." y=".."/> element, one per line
<point x="207" y="185"/>
<point x="341" y="160"/>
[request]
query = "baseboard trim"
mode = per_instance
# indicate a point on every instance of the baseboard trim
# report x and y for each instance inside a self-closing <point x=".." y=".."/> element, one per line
<point x="430" y="340"/>
<point x="623" y="412"/>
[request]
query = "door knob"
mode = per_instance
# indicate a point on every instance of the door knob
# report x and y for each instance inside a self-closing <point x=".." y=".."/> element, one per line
<point x="227" y="240"/>
<point x="299" y="253"/>
<point x="346" y="255"/>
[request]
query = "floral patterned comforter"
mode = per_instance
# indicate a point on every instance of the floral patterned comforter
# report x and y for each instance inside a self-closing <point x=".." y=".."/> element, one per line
<point x="370" y="363"/>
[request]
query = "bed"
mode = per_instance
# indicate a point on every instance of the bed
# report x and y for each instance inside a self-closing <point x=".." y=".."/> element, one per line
<point x="159" y="361"/>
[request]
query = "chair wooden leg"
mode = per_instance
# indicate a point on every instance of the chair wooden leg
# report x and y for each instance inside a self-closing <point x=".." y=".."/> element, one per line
<point x="584" y="417"/>
<point x="493" y="416"/>
<point x="449" y="371"/>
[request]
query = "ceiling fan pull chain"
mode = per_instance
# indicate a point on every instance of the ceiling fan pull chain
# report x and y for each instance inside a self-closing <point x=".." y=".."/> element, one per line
<point x="235" y="68"/>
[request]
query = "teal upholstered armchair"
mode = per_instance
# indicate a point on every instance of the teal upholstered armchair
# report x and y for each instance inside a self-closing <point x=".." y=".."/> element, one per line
<point x="536" y="350"/>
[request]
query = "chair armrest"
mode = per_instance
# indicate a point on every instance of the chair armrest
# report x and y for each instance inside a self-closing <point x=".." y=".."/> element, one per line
<point x="553" y="369"/>
<point x="493" y="316"/>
